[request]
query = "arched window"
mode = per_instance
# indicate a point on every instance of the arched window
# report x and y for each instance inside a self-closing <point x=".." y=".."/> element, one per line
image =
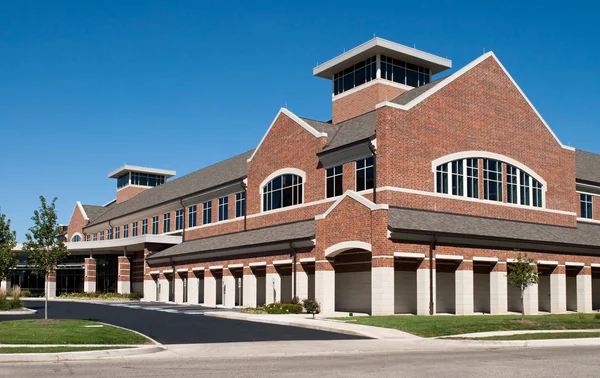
<point x="460" y="177"/>
<point x="76" y="238"/>
<point x="282" y="191"/>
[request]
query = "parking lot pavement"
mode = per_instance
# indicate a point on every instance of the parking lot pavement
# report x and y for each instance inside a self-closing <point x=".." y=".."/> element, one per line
<point x="176" y="324"/>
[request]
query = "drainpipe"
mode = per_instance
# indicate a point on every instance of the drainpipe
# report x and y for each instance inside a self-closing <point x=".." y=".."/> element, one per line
<point x="172" y="286"/>
<point x="245" y="188"/>
<point x="182" y="220"/>
<point x="109" y="225"/>
<point x="372" y="148"/>
<point x="431" y="249"/>
<point x="294" y="268"/>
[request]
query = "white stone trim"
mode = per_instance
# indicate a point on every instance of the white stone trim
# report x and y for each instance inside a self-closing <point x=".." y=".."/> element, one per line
<point x="458" y="74"/>
<point x="154" y="272"/>
<point x="76" y="234"/>
<point x="486" y="259"/>
<point x="511" y="260"/>
<point x="215" y="267"/>
<point x="380" y="257"/>
<point x="182" y="270"/>
<point x="448" y="257"/>
<point x="198" y="269"/>
<point x="487" y="155"/>
<point x="122" y="242"/>
<point x="208" y="224"/>
<point x="338" y="248"/>
<point x="547" y="262"/>
<point x="80" y="206"/>
<point x="409" y="255"/>
<point x="458" y="198"/>
<point x="294" y="118"/>
<point x="587" y="220"/>
<point x="234" y="266"/>
<point x="167" y="271"/>
<point x="307" y="259"/>
<point x="354" y="195"/>
<point x="283" y="171"/>
<point x="578" y="264"/>
<point x="282" y="262"/>
<point x="595" y="265"/>
<point x="259" y="263"/>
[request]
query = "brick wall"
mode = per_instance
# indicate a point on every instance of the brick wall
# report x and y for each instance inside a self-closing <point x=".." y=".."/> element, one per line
<point x="362" y="101"/>
<point x="128" y="192"/>
<point x="76" y="224"/>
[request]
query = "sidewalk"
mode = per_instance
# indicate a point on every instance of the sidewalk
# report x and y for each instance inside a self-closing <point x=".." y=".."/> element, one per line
<point x="306" y="321"/>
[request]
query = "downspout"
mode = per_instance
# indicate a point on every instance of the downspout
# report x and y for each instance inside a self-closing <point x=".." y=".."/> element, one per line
<point x="372" y="148"/>
<point x="110" y="226"/>
<point x="172" y="285"/>
<point x="431" y="249"/>
<point x="245" y="188"/>
<point x="294" y="268"/>
<point x="182" y="220"/>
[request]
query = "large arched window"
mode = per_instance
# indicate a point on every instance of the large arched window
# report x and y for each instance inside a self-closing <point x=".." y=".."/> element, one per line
<point x="76" y="238"/>
<point x="458" y="175"/>
<point x="282" y="191"/>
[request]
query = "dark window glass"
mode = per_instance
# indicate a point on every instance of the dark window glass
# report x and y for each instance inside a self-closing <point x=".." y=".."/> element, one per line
<point x="240" y="204"/>
<point x="364" y="174"/>
<point x="282" y="191"/>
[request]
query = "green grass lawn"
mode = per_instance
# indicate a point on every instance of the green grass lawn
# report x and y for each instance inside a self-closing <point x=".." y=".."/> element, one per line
<point x="13" y="350"/>
<point x="433" y="326"/>
<point x="65" y="332"/>
<point x="537" y="336"/>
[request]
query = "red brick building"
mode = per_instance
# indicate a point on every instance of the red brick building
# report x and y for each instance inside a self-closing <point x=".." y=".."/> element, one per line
<point x="418" y="194"/>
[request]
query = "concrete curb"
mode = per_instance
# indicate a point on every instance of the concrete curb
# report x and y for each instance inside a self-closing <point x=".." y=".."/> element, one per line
<point x="24" y="311"/>
<point x="91" y="300"/>
<point x="515" y="343"/>
<point x="78" y="356"/>
<point x="518" y="332"/>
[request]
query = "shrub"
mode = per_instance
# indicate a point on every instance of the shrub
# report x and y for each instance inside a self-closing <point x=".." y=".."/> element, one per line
<point x="283" y="308"/>
<point x="311" y="306"/>
<point x="597" y="316"/>
<point x="4" y="304"/>
<point x="2" y="294"/>
<point x="16" y="292"/>
<point x="102" y="296"/>
<point x="295" y="300"/>
<point x="26" y="294"/>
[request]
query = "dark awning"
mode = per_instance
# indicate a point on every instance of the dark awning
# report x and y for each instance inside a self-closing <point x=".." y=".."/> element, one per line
<point x="455" y="229"/>
<point x="275" y="238"/>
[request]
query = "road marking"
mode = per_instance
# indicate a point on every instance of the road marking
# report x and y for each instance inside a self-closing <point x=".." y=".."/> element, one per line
<point x="194" y="312"/>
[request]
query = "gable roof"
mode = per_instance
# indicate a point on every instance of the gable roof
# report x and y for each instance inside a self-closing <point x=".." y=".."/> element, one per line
<point x="442" y="83"/>
<point x="214" y="175"/>
<point x="587" y="166"/>
<point x="93" y="212"/>
<point x="353" y="130"/>
<point x="410" y="95"/>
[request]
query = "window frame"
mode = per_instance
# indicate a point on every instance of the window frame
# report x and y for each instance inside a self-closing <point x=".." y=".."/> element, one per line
<point x="134" y="229"/>
<point x="144" y="227"/>
<point x="365" y="168"/>
<point x="155" y="225"/>
<point x="331" y="173"/>
<point x="207" y="212"/>
<point x="166" y="222"/>
<point x="179" y="219"/>
<point x="240" y="204"/>
<point x="192" y="216"/>
<point x="125" y="231"/>
<point x="265" y="191"/>
<point x="223" y="208"/>
<point x="589" y="213"/>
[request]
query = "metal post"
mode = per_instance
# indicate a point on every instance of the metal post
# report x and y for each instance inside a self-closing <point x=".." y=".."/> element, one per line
<point x="431" y="249"/>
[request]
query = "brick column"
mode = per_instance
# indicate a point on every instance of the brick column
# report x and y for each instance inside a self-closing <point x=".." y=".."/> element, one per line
<point x="51" y="285"/>
<point x="89" y="278"/>
<point x="464" y="288"/>
<point x="325" y="286"/>
<point x="382" y="285"/>
<point x="228" y="288"/>
<point x="558" y="290"/>
<point x="423" y="287"/>
<point x="249" y="288"/>
<point x="210" y="288"/>
<point x="124" y="269"/>
<point x="498" y="289"/>
<point x="584" y="290"/>
<point x="272" y="286"/>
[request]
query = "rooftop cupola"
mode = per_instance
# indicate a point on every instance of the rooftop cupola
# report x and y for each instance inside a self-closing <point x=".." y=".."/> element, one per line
<point x="132" y="180"/>
<point x="376" y="71"/>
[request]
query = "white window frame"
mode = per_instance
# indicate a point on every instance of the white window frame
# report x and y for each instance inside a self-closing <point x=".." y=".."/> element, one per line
<point x="222" y="203"/>
<point x="334" y="176"/>
<point x="238" y="200"/>
<point x="280" y="172"/>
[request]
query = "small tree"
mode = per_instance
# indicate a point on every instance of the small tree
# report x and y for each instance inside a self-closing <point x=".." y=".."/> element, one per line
<point x="8" y="242"/>
<point x="522" y="275"/>
<point x="43" y="247"/>
<point x="311" y="306"/>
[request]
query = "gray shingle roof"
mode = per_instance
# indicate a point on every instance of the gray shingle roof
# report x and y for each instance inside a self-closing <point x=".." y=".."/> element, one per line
<point x="93" y="212"/>
<point x="584" y="234"/>
<point x="408" y="96"/>
<point x="215" y="175"/>
<point x="352" y="130"/>
<point x="587" y="166"/>
<point x="323" y="127"/>
<point x="259" y="236"/>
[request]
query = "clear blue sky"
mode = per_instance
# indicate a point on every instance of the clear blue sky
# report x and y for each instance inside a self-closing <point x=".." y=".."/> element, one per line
<point x="86" y="86"/>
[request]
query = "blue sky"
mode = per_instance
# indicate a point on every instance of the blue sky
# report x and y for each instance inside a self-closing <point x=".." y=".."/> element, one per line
<point x="87" y="86"/>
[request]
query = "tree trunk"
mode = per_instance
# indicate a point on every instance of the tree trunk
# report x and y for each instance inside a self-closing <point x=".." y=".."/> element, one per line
<point x="46" y="302"/>
<point x="522" y="304"/>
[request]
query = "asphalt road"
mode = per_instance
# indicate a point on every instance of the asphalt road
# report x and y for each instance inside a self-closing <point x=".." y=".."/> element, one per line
<point x="171" y="324"/>
<point x="514" y="363"/>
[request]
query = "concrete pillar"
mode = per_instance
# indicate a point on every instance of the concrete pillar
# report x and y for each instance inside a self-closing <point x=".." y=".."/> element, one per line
<point x="89" y="277"/>
<point x="464" y="289"/>
<point x="192" y="288"/>
<point x="273" y="286"/>
<point x="530" y="300"/>
<point x="150" y="290"/>
<point x="301" y="283"/>
<point x="498" y="289"/>
<point x="325" y="286"/>
<point x="228" y="289"/>
<point x="124" y="282"/>
<point x="249" y="288"/>
<point x="210" y="289"/>
<point x="423" y="289"/>
<point x="178" y="288"/>
<point x="164" y="289"/>
<point x="51" y="285"/>
<point x="584" y="290"/>
<point x="382" y="285"/>
<point x="5" y="284"/>
<point x="558" y="290"/>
